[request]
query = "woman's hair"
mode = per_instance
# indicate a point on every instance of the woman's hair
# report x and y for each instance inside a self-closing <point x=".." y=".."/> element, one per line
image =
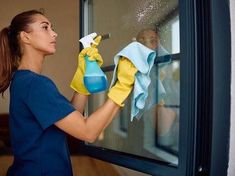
<point x="10" y="51"/>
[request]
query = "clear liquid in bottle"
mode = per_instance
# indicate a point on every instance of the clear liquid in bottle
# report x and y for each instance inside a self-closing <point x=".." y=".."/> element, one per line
<point x="95" y="83"/>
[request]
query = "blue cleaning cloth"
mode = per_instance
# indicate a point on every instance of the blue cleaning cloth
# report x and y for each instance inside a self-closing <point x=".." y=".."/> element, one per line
<point x="162" y="59"/>
<point x="143" y="59"/>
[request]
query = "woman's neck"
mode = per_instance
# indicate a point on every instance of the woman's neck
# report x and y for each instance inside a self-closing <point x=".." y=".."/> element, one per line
<point x="31" y="62"/>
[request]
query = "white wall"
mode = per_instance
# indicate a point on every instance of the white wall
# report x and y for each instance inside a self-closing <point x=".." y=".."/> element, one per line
<point x="231" y="169"/>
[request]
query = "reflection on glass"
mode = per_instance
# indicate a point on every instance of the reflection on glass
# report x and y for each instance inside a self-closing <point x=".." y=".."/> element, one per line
<point x="162" y="120"/>
<point x="155" y="134"/>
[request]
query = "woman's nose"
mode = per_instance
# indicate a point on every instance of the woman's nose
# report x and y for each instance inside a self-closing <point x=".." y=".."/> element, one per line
<point x="54" y="34"/>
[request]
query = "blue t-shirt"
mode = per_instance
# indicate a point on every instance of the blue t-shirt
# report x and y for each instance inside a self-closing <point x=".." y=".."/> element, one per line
<point x="39" y="147"/>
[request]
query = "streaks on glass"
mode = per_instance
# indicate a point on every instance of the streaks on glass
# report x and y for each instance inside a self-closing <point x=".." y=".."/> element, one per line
<point x="145" y="10"/>
<point x="147" y="13"/>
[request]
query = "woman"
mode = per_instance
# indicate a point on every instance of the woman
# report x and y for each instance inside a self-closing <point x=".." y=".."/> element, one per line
<point x="165" y="117"/>
<point x="39" y="115"/>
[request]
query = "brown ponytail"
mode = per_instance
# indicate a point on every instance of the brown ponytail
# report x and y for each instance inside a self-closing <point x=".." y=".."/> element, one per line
<point x="10" y="51"/>
<point x="6" y="64"/>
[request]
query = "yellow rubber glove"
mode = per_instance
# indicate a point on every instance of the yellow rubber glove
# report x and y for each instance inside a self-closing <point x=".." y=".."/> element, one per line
<point x="77" y="83"/>
<point x="125" y="80"/>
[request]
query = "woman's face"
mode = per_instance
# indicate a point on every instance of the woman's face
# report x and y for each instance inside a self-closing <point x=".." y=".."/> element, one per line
<point x="151" y="39"/>
<point x="42" y="37"/>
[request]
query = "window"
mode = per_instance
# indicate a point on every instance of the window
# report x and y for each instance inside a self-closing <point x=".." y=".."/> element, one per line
<point x="180" y="86"/>
<point x="155" y="133"/>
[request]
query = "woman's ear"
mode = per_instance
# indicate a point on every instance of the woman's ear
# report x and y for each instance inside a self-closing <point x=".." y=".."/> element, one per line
<point x="24" y="37"/>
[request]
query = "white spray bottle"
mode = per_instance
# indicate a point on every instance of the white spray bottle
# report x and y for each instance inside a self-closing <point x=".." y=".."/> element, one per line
<point x="94" y="78"/>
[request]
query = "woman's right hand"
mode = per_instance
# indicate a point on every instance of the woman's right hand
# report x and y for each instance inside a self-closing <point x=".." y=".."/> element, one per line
<point x="93" y="54"/>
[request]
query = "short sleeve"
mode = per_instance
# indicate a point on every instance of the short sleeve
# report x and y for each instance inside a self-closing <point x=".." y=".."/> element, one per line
<point x="46" y="103"/>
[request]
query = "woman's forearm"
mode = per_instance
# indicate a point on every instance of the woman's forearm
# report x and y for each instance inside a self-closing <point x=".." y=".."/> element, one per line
<point x="89" y="128"/>
<point x="101" y="118"/>
<point x="79" y="101"/>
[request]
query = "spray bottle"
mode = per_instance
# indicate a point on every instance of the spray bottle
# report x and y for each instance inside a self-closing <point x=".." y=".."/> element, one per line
<point x="94" y="78"/>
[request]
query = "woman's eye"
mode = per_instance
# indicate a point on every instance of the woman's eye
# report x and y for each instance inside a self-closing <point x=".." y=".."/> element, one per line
<point x="45" y="27"/>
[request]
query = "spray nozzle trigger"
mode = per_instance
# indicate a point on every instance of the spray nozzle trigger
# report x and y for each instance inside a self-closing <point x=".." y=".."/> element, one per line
<point x="88" y="40"/>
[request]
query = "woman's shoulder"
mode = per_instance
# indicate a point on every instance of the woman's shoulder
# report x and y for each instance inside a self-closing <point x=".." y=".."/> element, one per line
<point x="42" y="78"/>
<point x="42" y="81"/>
<point x="29" y="77"/>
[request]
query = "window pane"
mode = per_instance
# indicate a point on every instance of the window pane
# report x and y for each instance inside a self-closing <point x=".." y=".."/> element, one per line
<point x="155" y="133"/>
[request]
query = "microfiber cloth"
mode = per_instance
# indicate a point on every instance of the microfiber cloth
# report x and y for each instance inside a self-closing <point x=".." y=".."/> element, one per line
<point x="143" y="59"/>
<point x="156" y="89"/>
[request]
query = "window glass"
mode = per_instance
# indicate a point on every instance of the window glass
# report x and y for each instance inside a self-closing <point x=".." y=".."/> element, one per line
<point x="154" y="134"/>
